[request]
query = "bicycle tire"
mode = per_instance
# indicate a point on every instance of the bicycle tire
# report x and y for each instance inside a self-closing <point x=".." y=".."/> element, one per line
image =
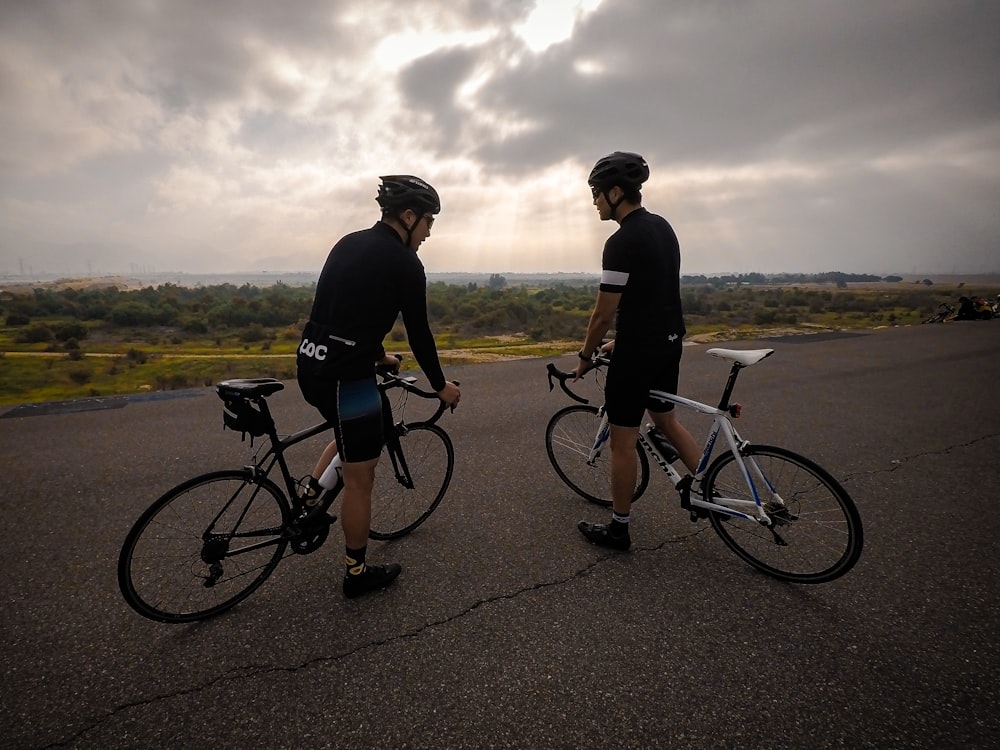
<point x="165" y="568"/>
<point x="430" y="458"/>
<point x="568" y="439"/>
<point x="822" y="528"/>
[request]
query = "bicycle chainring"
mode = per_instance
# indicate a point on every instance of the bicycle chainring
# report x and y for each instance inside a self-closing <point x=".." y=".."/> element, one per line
<point x="312" y="536"/>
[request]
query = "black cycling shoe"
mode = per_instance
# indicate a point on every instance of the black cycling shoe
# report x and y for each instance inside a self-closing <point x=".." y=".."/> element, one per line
<point x="600" y="534"/>
<point x="375" y="577"/>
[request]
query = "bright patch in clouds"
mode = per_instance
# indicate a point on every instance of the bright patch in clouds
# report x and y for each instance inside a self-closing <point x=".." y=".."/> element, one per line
<point x="552" y="21"/>
<point x="179" y="135"/>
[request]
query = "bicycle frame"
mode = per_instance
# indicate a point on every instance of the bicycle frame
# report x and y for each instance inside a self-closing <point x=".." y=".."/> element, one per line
<point x="275" y="454"/>
<point x="721" y="424"/>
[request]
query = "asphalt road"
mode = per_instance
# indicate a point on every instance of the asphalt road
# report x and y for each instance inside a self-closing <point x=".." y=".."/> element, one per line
<point x="506" y="628"/>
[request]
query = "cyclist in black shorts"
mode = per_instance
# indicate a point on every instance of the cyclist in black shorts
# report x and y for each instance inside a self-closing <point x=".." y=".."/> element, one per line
<point x="640" y="282"/>
<point x="370" y="277"/>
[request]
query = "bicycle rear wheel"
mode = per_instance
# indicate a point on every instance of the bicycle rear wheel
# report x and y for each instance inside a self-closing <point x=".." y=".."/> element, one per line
<point x="568" y="439"/>
<point x="428" y="455"/>
<point x="817" y="536"/>
<point x="203" y="547"/>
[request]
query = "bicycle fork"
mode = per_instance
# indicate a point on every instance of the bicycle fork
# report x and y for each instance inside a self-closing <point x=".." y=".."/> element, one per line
<point x="602" y="438"/>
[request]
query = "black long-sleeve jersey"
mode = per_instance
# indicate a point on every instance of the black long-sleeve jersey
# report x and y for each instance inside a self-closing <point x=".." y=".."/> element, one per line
<point x="369" y="278"/>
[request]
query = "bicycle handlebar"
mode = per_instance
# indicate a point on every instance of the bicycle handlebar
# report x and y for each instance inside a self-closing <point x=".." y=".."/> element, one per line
<point x="562" y="377"/>
<point x="391" y="379"/>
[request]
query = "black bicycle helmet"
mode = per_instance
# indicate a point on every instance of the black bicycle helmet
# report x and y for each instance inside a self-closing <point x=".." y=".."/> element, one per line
<point x="402" y="191"/>
<point x="621" y="168"/>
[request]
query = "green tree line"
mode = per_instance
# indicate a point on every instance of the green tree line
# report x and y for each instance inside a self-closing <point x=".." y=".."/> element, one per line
<point x="540" y="313"/>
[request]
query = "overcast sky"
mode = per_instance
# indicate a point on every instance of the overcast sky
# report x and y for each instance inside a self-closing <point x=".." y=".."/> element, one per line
<point x="225" y="136"/>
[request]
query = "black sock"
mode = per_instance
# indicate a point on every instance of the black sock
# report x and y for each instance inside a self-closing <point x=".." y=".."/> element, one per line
<point x="355" y="560"/>
<point x="619" y="524"/>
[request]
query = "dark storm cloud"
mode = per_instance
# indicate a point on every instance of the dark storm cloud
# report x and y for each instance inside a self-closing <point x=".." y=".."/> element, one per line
<point x="731" y="82"/>
<point x="783" y="134"/>
<point x="430" y="85"/>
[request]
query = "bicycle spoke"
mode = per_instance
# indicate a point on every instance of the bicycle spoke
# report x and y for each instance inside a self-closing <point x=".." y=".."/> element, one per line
<point x="817" y="534"/>
<point x="569" y="440"/>
<point x="401" y="503"/>
<point x="169" y="569"/>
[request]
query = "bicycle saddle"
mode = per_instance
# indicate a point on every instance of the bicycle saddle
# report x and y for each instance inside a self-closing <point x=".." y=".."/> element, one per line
<point x="744" y="357"/>
<point x="249" y="387"/>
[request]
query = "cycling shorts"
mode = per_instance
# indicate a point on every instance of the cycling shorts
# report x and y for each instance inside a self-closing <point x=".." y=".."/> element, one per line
<point x="354" y="407"/>
<point x="633" y="372"/>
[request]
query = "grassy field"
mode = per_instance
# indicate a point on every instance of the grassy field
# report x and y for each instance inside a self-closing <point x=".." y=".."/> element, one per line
<point x="113" y="360"/>
<point x="38" y="375"/>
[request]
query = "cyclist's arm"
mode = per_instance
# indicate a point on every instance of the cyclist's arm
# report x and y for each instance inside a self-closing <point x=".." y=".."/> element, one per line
<point x="601" y="319"/>
<point x="418" y="330"/>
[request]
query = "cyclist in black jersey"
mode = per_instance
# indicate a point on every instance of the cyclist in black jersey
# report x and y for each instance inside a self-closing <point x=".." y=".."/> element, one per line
<point x="640" y="285"/>
<point x="370" y="277"/>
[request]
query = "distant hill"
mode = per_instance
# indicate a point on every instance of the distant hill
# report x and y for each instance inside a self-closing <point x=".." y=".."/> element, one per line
<point x="464" y="278"/>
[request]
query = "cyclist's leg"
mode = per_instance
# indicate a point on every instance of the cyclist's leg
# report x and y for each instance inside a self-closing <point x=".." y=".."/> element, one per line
<point x="356" y="508"/>
<point x="324" y="460"/>
<point x="665" y="379"/>
<point x="679" y="437"/>
<point x="624" y="467"/>
<point x="321" y="394"/>
<point x="359" y="434"/>
<point x="625" y="396"/>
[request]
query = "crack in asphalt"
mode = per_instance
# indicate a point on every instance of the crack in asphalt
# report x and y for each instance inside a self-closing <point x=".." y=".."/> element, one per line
<point x="251" y="671"/>
<point x="899" y="463"/>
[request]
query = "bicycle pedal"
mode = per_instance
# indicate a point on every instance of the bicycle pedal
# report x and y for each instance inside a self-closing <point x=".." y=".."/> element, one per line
<point x="309" y="538"/>
<point x="316" y="521"/>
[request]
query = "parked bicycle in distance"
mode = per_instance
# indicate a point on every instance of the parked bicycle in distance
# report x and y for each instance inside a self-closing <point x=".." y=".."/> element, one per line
<point x="209" y="542"/>
<point x="945" y="311"/>
<point x="777" y="510"/>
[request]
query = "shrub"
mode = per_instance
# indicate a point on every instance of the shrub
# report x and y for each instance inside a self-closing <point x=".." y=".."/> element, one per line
<point x="69" y="331"/>
<point x="80" y="377"/>
<point x="34" y="334"/>
<point x="764" y="317"/>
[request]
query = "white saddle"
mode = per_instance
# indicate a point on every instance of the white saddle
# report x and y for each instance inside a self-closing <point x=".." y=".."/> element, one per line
<point x="744" y="357"/>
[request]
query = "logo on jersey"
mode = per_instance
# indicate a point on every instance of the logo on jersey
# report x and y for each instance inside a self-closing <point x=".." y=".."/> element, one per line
<point x="316" y="351"/>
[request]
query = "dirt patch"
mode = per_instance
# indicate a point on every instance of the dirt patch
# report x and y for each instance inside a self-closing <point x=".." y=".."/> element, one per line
<point x="738" y="334"/>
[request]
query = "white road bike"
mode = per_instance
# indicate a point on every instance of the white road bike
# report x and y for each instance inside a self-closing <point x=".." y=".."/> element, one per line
<point x="777" y="510"/>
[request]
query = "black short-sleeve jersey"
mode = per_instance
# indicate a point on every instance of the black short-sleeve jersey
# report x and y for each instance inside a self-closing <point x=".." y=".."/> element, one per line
<point x="642" y="262"/>
<point x="369" y="278"/>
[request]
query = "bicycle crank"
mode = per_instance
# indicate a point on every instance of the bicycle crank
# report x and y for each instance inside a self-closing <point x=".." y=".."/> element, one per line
<point x="312" y="534"/>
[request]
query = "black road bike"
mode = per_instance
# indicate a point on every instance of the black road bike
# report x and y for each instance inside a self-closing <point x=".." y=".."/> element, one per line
<point x="210" y="542"/>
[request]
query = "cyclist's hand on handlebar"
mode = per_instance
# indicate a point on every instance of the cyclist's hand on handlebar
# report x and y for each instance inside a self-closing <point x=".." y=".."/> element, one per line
<point x="450" y="394"/>
<point x="389" y="363"/>
<point x="582" y="368"/>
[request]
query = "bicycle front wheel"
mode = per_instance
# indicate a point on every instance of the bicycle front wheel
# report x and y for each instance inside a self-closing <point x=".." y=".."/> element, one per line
<point x="405" y="496"/>
<point x="817" y="534"/>
<point x="568" y="439"/>
<point x="203" y="547"/>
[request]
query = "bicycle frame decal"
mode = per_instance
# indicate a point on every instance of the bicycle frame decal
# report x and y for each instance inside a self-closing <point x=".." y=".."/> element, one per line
<point x="709" y="447"/>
